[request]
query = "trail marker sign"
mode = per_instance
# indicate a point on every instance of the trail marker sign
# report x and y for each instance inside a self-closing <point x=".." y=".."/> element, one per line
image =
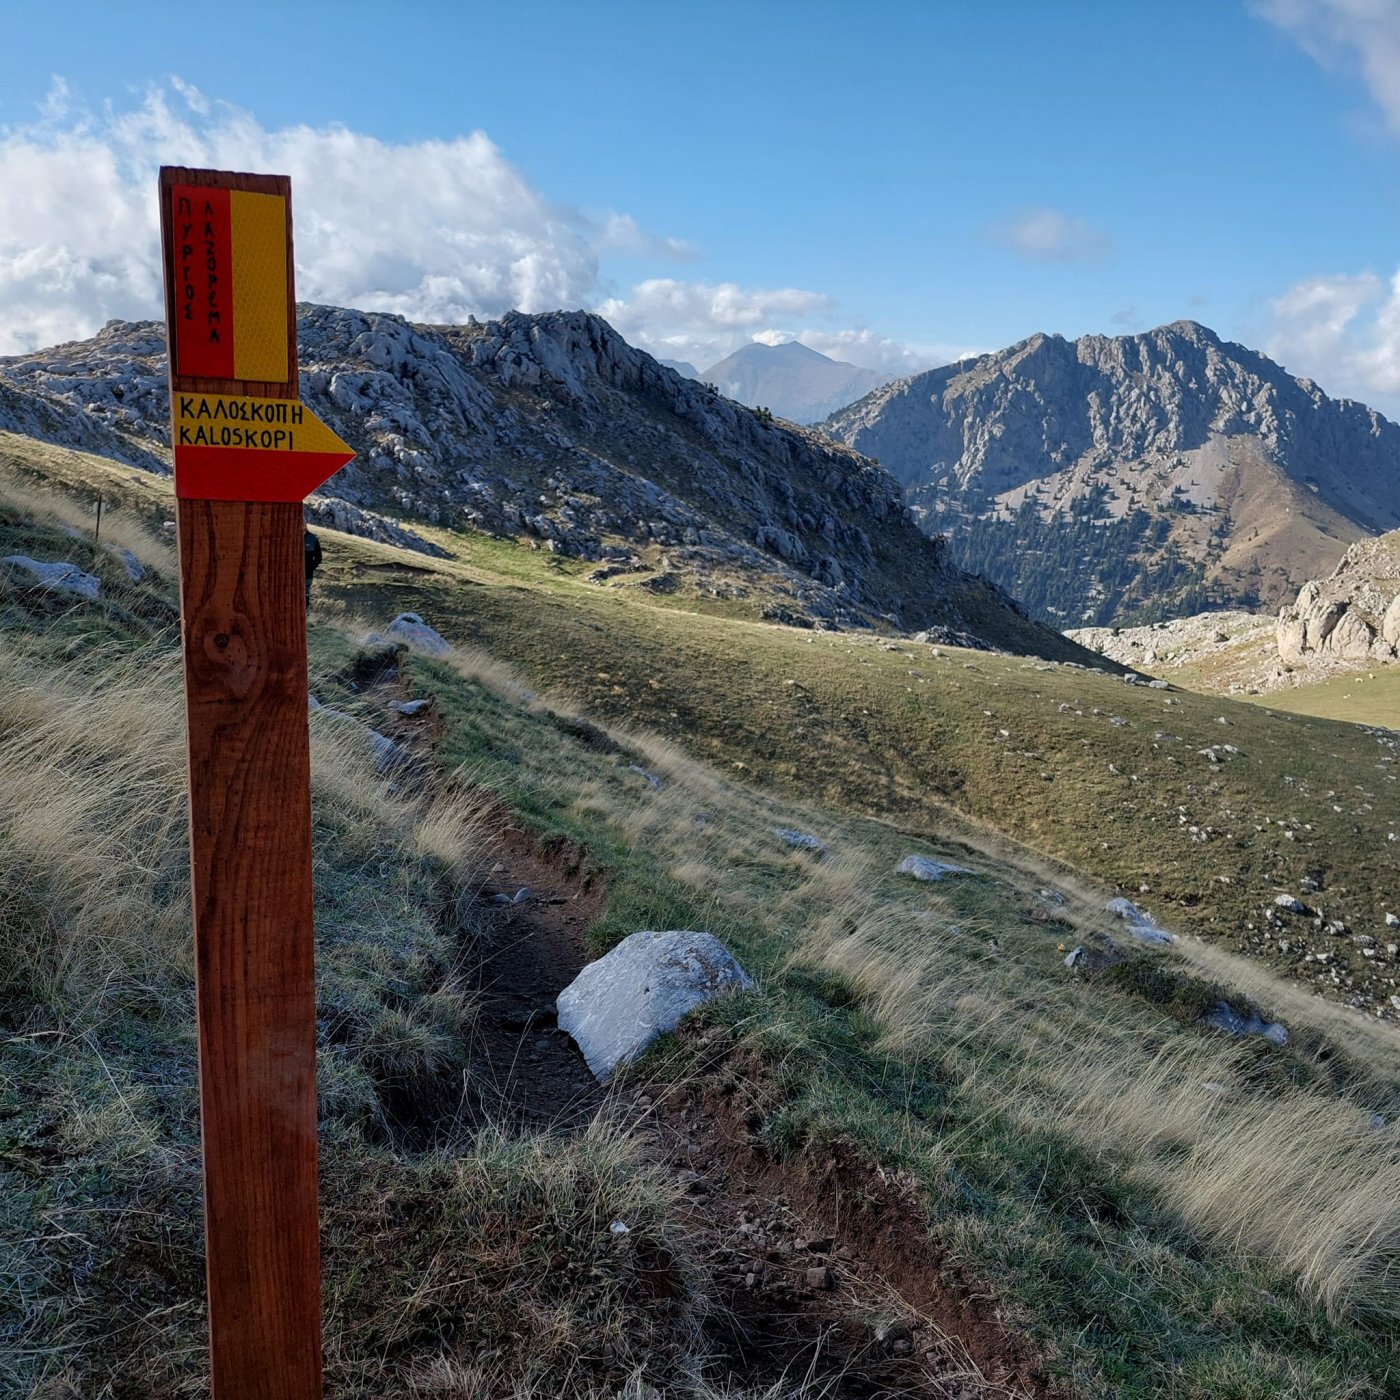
<point x="246" y="452"/>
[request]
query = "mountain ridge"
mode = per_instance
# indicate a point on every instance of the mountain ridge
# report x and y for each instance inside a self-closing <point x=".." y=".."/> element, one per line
<point x="1177" y="470"/>
<point x="551" y="429"/>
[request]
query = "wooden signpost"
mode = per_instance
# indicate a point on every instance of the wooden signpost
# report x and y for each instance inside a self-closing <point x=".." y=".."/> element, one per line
<point x="246" y="453"/>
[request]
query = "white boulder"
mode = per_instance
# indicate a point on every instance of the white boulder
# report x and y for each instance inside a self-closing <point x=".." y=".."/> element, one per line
<point x="616" y="1007"/>
<point x="57" y="574"/>
<point x="1140" y="923"/>
<point x="409" y="627"/>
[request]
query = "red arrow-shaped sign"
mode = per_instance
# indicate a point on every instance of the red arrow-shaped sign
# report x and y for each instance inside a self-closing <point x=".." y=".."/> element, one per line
<point x="238" y="447"/>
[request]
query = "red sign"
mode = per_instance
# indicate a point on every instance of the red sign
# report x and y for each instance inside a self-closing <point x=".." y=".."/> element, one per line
<point x="237" y="428"/>
<point x="203" y="282"/>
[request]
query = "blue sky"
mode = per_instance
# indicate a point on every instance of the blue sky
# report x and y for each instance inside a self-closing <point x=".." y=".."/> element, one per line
<point x="895" y="182"/>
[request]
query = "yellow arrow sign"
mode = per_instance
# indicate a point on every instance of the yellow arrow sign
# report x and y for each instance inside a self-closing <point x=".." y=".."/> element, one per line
<point x="235" y="447"/>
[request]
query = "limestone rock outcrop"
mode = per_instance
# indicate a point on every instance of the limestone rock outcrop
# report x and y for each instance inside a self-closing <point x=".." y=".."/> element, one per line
<point x="1352" y="617"/>
<point x="553" y="430"/>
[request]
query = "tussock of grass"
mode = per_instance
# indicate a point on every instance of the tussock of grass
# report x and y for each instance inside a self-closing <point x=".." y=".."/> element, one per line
<point x="506" y="1245"/>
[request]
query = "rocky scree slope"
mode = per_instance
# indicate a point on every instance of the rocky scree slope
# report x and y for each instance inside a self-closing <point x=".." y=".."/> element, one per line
<point x="1352" y="617"/>
<point x="552" y="429"/>
<point x="1133" y="477"/>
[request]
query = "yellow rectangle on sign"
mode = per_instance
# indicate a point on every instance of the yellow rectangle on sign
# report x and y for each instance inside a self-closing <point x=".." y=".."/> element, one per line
<point x="259" y="239"/>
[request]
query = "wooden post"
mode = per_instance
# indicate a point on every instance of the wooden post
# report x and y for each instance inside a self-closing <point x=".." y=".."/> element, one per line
<point x="250" y="843"/>
<point x="246" y="452"/>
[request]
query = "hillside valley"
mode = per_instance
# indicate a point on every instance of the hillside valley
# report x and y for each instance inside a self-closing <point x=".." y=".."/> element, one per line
<point x="1134" y="478"/>
<point x="1046" y="1123"/>
<point x="552" y="430"/>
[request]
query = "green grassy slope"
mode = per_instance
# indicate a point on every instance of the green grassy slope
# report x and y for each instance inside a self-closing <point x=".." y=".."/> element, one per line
<point x="1142" y="1191"/>
<point x="1108" y="777"/>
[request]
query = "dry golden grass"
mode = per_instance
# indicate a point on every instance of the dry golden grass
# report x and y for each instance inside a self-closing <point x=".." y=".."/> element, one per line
<point x="119" y="529"/>
<point x="1296" y="1176"/>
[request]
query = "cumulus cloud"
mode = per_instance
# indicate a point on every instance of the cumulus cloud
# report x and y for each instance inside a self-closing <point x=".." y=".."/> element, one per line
<point x="1048" y="235"/>
<point x="1344" y="332"/>
<point x="702" y="322"/>
<point x="1361" y="36"/>
<point x="433" y="230"/>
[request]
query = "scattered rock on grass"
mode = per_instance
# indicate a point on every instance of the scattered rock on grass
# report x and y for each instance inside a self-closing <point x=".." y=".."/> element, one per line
<point x="409" y="707"/>
<point x="409" y="627"/>
<point x="57" y="574"/>
<point x="1224" y="1017"/>
<point x="388" y="756"/>
<point x="617" y="1006"/>
<point x="1290" y="904"/>
<point x="926" y="868"/>
<point x="800" y="840"/>
<point x="1140" y="923"/>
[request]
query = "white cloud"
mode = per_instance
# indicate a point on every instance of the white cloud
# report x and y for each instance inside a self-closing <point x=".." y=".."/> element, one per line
<point x="1348" y="35"/>
<point x="432" y="230"/>
<point x="871" y="351"/>
<point x="704" y="321"/>
<point x="622" y="233"/>
<point x="1344" y="332"/>
<point x="1047" y="235"/>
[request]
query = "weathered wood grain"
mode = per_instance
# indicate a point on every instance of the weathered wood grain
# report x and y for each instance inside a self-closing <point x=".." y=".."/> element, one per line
<point x="242" y="576"/>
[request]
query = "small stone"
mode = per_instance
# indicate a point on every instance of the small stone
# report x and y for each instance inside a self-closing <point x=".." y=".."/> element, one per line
<point x="409" y="707"/>
<point x="800" y="840"/>
<point x="1392" y="920"/>
<point x="821" y="1279"/>
<point x="925" y="868"/>
<point x="1290" y="904"/>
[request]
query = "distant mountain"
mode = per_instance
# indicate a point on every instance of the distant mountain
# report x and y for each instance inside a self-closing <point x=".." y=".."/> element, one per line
<point x="552" y="430"/>
<point x="1133" y="478"/>
<point x="793" y="381"/>
<point x="682" y="367"/>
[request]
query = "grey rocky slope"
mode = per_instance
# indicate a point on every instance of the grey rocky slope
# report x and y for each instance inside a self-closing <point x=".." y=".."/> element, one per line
<point x="793" y="381"/>
<point x="1351" y="617"/>
<point x="1151" y="474"/>
<point x="552" y="429"/>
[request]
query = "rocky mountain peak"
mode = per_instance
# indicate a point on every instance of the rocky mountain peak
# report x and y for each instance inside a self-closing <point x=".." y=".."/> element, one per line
<point x="793" y="380"/>
<point x="1197" y="458"/>
<point x="553" y="430"/>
